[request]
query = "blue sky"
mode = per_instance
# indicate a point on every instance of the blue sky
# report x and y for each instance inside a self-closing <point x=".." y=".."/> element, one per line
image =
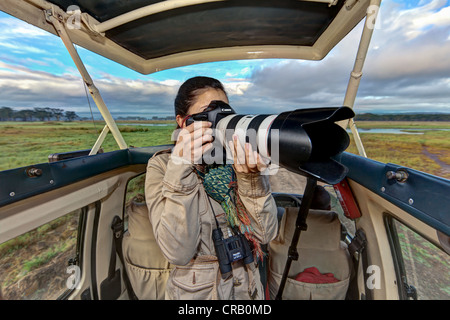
<point x="407" y="70"/>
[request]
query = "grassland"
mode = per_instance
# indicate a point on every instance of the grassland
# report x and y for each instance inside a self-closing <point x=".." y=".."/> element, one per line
<point x="26" y="143"/>
<point x="428" y="152"/>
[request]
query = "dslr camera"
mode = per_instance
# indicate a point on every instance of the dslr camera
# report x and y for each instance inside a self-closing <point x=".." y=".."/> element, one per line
<point x="215" y="111"/>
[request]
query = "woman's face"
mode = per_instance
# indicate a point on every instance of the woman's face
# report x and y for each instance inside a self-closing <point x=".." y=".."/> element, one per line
<point x="202" y="101"/>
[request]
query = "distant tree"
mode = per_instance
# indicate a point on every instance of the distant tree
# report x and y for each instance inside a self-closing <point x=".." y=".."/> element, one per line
<point x="6" y="113"/>
<point x="25" y="115"/>
<point x="42" y="113"/>
<point x="49" y="113"/>
<point x="58" y="113"/>
<point x="70" y="116"/>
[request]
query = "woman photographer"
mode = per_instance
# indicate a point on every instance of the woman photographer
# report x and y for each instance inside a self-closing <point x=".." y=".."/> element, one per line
<point x="187" y="201"/>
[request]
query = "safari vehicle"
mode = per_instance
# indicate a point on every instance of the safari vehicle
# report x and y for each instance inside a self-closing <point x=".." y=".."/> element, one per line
<point x="376" y="208"/>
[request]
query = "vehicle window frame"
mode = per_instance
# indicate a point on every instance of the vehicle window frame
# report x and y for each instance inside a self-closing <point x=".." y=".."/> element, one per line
<point x="74" y="257"/>
<point x="403" y="282"/>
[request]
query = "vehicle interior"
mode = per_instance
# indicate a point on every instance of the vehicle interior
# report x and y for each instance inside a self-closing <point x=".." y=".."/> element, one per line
<point x="357" y="234"/>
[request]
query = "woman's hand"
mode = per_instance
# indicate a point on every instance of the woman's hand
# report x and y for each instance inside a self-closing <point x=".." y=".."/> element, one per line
<point x="192" y="142"/>
<point x="245" y="159"/>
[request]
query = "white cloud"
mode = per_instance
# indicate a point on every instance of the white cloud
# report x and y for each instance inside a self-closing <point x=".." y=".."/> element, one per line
<point x="236" y="87"/>
<point x="20" y="48"/>
<point x="21" y="87"/>
<point x="408" y="66"/>
<point x="171" y="82"/>
<point x="408" y="70"/>
<point x="12" y="28"/>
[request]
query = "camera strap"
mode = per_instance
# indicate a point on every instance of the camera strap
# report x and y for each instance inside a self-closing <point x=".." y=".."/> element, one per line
<point x="214" y="213"/>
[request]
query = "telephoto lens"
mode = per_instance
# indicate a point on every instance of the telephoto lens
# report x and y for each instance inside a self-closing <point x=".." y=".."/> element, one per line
<point x="302" y="140"/>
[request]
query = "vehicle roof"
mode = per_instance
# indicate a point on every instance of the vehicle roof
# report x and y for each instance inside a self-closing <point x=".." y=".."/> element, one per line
<point x="149" y="36"/>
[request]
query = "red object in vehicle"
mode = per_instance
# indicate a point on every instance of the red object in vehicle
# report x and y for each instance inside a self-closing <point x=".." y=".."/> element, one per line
<point x="313" y="275"/>
<point x="346" y="199"/>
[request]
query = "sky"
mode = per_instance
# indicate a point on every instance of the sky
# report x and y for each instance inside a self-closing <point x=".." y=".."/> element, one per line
<point x="407" y="70"/>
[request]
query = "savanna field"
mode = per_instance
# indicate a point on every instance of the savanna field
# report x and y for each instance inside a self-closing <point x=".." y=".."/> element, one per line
<point x="26" y="143"/>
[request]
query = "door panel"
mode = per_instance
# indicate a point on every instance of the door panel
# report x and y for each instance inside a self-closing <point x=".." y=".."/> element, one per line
<point x="100" y="197"/>
<point x="419" y="203"/>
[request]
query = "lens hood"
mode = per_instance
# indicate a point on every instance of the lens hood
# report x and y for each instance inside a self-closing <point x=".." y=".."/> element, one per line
<point x="309" y="138"/>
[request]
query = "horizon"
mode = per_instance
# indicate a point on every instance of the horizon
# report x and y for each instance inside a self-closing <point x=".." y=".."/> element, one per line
<point x="407" y="70"/>
<point x="82" y="116"/>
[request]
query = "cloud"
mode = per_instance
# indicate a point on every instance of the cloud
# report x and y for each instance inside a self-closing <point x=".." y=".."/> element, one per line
<point x="407" y="68"/>
<point x="21" y="87"/>
<point x="17" y="35"/>
<point x="12" y="28"/>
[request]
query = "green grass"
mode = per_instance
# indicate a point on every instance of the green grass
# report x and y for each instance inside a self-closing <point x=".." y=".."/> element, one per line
<point x="27" y="143"/>
<point x="408" y="150"/>
<point x="403" y="124"/>
<point x="37" y="248"/>
<point x="46" y="256"/>
<point x="23" y="143"/>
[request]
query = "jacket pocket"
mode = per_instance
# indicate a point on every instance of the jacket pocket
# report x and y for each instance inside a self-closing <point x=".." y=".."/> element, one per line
<point x="196" y="282"/>
<point x="148" y="284"/>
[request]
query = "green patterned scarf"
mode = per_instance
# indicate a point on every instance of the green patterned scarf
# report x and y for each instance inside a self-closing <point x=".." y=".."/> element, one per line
<point x="221" y="184"/>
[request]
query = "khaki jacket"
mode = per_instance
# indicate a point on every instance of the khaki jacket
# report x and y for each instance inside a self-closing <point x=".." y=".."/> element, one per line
<point x="182" y="221"/>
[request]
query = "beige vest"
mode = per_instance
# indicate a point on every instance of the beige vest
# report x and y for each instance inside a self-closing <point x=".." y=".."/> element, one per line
<point x="169" y="249"/>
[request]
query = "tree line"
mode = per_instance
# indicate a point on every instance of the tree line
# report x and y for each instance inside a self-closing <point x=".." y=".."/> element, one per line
<point x="403" y="117"/>
<point x="37" y="114"/>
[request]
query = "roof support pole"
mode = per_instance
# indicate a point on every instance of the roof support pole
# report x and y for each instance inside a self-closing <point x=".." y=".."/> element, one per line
<point x="356" y="74"/>
<point x="59" y="26"/>
<point x="99" y="141"/>
<point x="146" y="11"/>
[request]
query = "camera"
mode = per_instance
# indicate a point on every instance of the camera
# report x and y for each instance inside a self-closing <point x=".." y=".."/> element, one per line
<point x="303" y="140"/>
<point x="231" y="249"/>
<point x="213" y="113"/>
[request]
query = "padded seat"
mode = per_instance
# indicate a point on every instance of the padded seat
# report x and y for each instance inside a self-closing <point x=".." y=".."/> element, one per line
<point x="147" y="268"/>
<point x="320" y="246"/>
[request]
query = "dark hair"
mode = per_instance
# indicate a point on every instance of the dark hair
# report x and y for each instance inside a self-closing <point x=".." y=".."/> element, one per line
<point x="189" y="90"/>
